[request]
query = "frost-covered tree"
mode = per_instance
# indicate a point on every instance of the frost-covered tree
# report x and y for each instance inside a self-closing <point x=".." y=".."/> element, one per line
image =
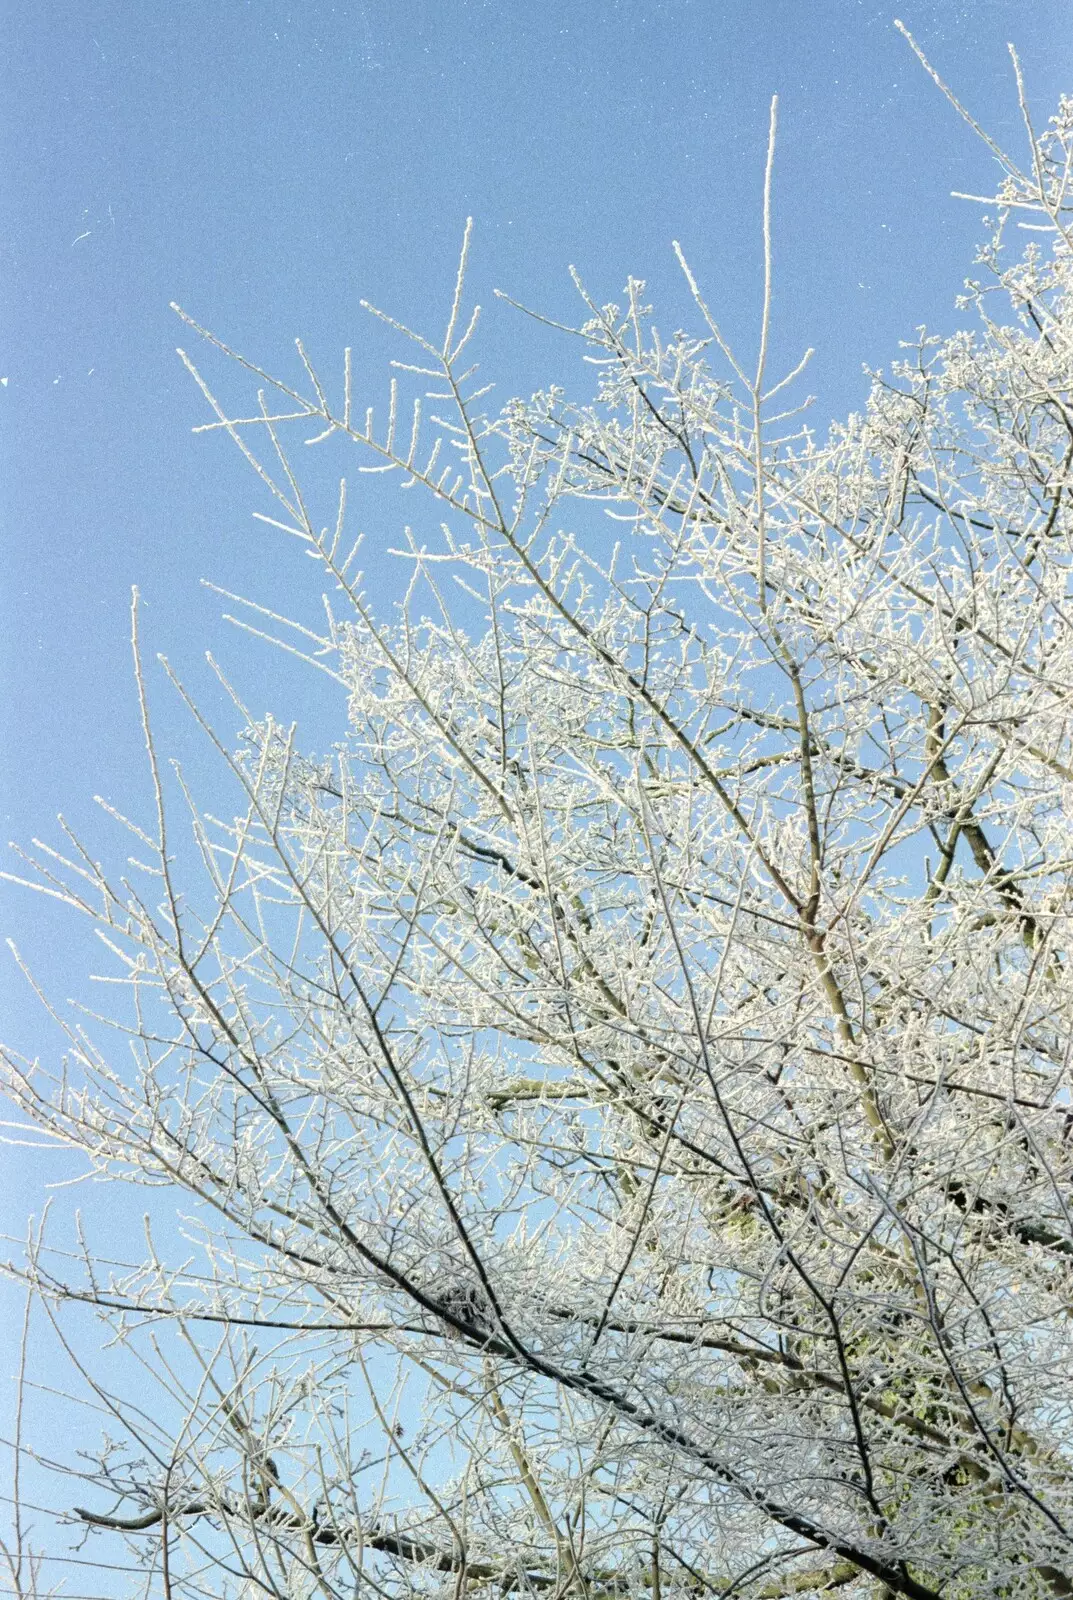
<point x="624" y="1088"/>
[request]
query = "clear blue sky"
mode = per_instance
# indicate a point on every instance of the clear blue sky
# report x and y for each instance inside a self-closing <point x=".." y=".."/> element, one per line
<point x="269" y="162"/>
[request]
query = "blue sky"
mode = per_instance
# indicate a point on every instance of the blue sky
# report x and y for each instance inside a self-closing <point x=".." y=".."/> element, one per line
<point x="267" y="164"/>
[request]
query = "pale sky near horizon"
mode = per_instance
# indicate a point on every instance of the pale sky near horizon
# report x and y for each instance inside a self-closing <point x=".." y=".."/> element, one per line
<point x="267" y="163"/>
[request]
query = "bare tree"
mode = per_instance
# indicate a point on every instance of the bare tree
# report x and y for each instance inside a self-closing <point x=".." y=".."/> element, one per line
<point x="624" y="1088"/>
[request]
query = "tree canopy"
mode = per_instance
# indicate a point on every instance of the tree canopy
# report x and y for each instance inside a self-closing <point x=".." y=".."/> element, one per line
<point x="623" y="1087"/>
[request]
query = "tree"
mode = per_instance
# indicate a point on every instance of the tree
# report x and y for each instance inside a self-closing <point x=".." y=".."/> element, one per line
<point x="625" y="1086"/>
